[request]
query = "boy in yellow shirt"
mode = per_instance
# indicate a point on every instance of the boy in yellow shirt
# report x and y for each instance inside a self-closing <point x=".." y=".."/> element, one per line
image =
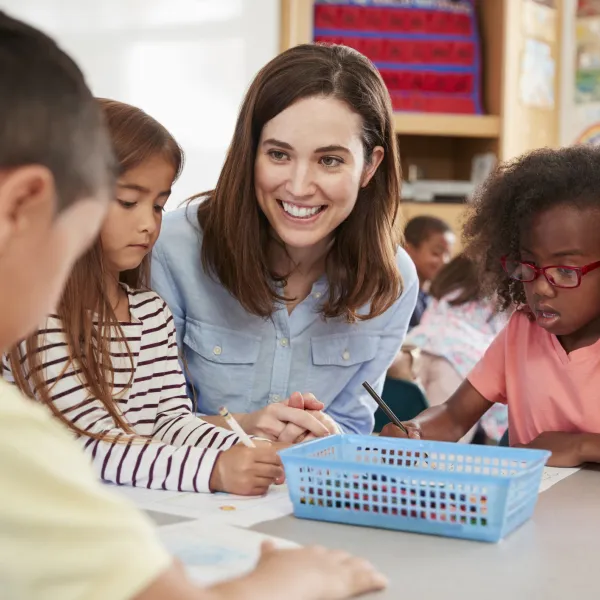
<point x="63" y="536"/>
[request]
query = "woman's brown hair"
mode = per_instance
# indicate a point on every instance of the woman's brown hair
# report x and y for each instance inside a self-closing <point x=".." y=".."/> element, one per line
<point x="459" y="275"/>
<point x="361" y="265"/>
<point x="87" y="317"/>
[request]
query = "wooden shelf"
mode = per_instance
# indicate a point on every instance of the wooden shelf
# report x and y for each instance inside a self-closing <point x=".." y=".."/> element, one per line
<point x="468" y="126"/>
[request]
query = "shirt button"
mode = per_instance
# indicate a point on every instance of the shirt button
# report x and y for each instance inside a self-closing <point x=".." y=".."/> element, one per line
<point x="346" y="355"/>
<point x="284" y="342"/>
<point x="317" y="295"/>
<point x="274" y="398"/>
<point x="217" y="350"/>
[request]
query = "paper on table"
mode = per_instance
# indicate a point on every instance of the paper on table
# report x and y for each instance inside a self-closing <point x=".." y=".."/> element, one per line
<point x="553" y="475"/>
<point x="243" y="511"/>
<point x="215" y="552"/>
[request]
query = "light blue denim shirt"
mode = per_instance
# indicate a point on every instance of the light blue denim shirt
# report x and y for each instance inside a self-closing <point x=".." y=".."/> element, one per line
<point x="246" y="362"/>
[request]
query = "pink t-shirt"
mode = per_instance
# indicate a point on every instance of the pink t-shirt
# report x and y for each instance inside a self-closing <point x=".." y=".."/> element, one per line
<point x="545" y="388"/>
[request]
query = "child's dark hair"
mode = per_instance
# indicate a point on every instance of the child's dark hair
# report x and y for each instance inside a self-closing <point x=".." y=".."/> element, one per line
<point x="459" y="275"/>
<point x="419" y="229"/>
<point x="48" y="115"/>
<point x="513" y="195"/>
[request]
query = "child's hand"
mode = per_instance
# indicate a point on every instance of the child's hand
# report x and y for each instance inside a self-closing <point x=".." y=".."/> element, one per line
<point x="247" y="471"/>
<point x="566" y="448"/>
<point x="316" y="573"/>
<point x="391" y="430"/>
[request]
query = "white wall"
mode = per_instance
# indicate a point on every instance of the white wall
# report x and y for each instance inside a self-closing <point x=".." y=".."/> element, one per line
<point x="186" y="62"/>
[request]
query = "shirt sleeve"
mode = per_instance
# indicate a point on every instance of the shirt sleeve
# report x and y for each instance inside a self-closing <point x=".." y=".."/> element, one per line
<point x="353" y="409"/>
<point x="62" y="535"/>
<point x="488" y="376"/>
<point x="126" y="459"/>
<point x="175" y="423"/>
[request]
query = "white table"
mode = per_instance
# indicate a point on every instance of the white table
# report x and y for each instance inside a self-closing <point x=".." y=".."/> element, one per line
<point x="553" y="556"/>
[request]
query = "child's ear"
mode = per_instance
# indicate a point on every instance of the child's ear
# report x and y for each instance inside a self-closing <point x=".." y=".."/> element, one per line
<point x="27" y="194"/>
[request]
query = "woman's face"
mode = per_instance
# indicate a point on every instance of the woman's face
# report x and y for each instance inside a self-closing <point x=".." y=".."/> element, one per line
<point x="309" y="168"/>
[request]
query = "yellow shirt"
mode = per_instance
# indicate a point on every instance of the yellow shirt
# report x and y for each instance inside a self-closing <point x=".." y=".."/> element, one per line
<point x="62" y="535"/>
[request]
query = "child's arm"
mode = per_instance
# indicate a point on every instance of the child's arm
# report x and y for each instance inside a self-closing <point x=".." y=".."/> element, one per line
<point x="304" y="574"/>
<point x="84" y="541"/>
<point x="448" y="422"/>
<point x="175" y="423"/>
<point x="129" y="459"/>
<point x="568" y="449"/>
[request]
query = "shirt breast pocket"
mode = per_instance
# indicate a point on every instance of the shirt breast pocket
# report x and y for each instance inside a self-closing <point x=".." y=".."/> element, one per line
<point x="336" y="360"/>
<point x="222" y="365"/>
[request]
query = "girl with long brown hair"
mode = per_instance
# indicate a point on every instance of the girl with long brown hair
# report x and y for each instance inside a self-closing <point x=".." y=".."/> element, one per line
<point x="289" y="275"/>
<point x="107" y="364"/>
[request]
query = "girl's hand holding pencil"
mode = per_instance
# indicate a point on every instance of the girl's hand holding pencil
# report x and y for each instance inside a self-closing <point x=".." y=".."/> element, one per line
<point x="396" y="428"/>
<point x="247" y="471"/>
<point x="391" y="430"/>
<point x="248" y="468"/>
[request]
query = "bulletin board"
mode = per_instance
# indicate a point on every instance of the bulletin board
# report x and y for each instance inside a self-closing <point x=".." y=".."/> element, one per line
<point x="427" y="51"/>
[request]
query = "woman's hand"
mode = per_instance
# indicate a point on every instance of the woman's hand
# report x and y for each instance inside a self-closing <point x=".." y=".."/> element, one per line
<point x="294" y="434"/>
<point x="271" y="421"/>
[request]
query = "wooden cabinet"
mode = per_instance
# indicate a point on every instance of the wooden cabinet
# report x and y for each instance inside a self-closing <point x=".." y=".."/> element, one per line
<point x="443" y="145"/>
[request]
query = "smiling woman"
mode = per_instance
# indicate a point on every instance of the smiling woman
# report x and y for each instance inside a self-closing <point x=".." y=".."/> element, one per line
<point x="289" y="276"/>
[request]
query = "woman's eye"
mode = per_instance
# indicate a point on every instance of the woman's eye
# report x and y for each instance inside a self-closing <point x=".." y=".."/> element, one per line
<point x="158" y="208"/>
<point x="277" y="155"/>
<point x="331" y="161"/>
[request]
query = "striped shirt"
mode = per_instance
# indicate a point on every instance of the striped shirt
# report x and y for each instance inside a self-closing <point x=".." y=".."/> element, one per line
<point x="178" y="450"/>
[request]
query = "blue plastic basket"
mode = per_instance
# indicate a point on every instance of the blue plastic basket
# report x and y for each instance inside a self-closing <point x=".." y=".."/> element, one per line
<point x="455" y="490"/>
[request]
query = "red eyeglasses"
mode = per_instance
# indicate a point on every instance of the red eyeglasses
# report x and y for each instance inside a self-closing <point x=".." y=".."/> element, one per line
<point x="560" y="276"/>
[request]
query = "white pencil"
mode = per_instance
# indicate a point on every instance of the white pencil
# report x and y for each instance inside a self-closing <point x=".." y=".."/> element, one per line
<point x="236" y="428"/>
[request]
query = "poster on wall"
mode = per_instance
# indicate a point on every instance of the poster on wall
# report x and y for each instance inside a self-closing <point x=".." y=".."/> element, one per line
<point x="536" y="84"/>
<point x="586" y="94"/>
<point x="539" y="20"/>
<point x="587" y="124"/>
<point x="587" y="59"/>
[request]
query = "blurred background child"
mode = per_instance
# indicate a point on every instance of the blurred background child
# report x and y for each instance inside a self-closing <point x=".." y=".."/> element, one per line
<point x="454" y="333"/>
<point x="429" y="242"/>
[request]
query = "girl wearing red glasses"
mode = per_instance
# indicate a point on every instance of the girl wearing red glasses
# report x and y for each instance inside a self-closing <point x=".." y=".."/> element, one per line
<point x="535" y="229"/>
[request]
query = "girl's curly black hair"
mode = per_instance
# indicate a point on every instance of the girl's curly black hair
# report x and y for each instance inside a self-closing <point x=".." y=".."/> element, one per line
<point x="516" y="192"/>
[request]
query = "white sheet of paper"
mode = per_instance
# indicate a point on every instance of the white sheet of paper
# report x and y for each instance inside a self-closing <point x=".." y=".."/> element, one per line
<point x="553" y="475"/>
<point x="212" y="553"/>
<point x="243" y="511"/>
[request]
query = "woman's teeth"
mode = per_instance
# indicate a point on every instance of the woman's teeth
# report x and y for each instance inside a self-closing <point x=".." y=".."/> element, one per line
<point x="300" y="212"/>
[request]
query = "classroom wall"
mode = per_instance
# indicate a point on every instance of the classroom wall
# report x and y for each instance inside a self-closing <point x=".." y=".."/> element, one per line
<point x="567" y="122"/>
<point x="186" y="62"/>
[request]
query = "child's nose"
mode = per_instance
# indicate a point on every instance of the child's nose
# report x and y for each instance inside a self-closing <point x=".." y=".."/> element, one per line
<point x="148" y="221"/>
<point x="542" y="287"/>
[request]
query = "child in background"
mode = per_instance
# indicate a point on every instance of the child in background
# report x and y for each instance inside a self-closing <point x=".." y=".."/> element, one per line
<point x="63" y="535"/>
<point x="429" y="242"/>
<point x="107" y="364"/>
<point x="455" y="331"/>
<point x="535" y="227"/>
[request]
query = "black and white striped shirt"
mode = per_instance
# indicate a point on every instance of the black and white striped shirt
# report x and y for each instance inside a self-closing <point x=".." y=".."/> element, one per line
<point x="178" y="450"/>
